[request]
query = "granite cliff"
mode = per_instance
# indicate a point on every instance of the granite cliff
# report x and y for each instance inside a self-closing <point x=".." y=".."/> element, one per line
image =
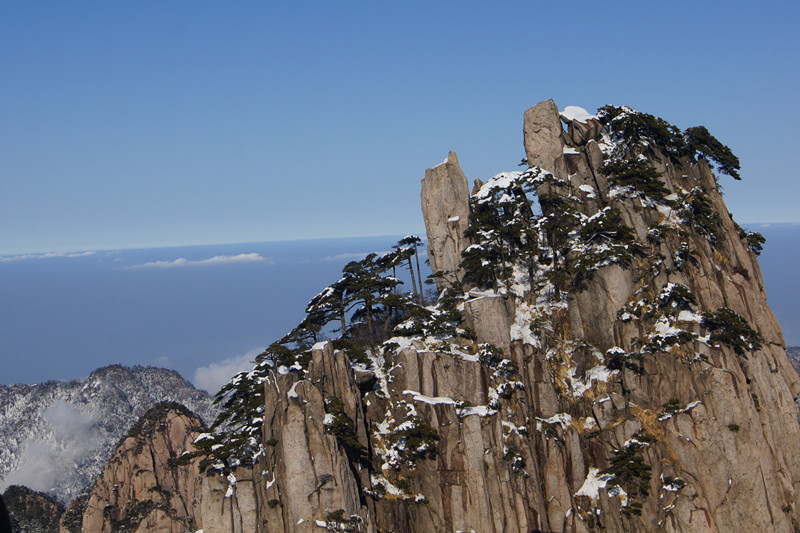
<point x="601" y="357"/>
<point x="142" y="488"/>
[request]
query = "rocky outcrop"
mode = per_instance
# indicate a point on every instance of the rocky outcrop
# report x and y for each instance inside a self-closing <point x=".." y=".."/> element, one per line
<point x="581" y="126"/>
<point x="445" y="200"/>
<point x="615" y="368"/>
<point x="701" y="405"/>
<point x="31" y="511"/>
<point x="543" y="135"/>
<point x="143" y="488"/>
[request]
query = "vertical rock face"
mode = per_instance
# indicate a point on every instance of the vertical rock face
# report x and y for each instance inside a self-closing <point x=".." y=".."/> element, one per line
<point x="623" y="371"/>
<point x="718" y="415"/>
<point x="305" y="475"/>
<point x="142" y="488"/>
<point x="488" y="317"/>
<point x="445" y="203"/>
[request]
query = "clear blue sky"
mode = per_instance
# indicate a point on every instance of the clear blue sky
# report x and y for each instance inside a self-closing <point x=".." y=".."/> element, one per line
<point x="128" y="124"/>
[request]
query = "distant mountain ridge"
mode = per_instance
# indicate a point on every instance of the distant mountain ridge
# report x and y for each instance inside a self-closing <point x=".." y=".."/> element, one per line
<point x="56" y="436"/>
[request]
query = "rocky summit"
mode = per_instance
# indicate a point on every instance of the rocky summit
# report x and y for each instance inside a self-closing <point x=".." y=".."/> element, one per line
<point x="143" y="488"/>
<point x="600" y="357"/>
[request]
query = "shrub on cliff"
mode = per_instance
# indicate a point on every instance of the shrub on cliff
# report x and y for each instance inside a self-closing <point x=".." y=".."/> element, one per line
<point x="702" y="143"/>
<point x="338" y="424"/>
<point x="415" y="438"/>
<point x="727" y="327"/>
<point x="635" y="173"/>
<point x="640" y="132"/>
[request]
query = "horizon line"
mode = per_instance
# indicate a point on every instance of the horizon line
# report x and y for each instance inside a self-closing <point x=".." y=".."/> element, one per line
<point x="73" y="251"/>
<point x="236" y="242"/>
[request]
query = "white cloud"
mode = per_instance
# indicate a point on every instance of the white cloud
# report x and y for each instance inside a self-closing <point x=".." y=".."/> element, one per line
<point x="68" y="440"/>
<point x="212" y="377"/>
<point x="216" y="260"/>
<point x="163" y="361"/>
<point x="48" y="255"/>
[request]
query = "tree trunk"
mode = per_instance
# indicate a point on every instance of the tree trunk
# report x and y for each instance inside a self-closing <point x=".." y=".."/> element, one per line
<point x="413" y="279"/>
<point x="388" y="309"/>
<point x="371" y="327"/>
<point x="419" y="276"/>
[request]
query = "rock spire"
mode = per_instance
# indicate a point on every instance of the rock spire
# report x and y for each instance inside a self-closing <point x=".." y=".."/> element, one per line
<point x="445" y="202"/>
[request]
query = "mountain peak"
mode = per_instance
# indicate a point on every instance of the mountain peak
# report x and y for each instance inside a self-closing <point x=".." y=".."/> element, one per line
<point x="600" y="357"/>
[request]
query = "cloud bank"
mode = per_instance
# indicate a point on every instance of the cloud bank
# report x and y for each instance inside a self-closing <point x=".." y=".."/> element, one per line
<point x="216" y="260"/>
<point x="48" y="255"/>
<point x="68" y="440"/>
<point x="212" y="377"/>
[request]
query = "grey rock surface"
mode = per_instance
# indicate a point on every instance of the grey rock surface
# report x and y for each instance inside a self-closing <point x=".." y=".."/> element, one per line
<point x="488" y="316"/>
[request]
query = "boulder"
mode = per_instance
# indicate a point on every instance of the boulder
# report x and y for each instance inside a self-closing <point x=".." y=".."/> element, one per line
<point x="583" y="126"/>
<point x="581" y="132"/>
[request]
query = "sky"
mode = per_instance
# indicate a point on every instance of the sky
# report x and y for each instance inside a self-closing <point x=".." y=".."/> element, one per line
<point x="205" y="311"/>
<point x="140" y="124"/>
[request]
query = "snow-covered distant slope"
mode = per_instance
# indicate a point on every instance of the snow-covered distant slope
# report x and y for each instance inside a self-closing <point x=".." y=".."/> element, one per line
<point x="793" y="352"/>
<point x="56" y="436"/>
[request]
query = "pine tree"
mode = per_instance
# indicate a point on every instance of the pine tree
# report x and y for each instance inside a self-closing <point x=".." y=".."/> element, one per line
<point x="407" y="248"/>
<point x="503" y="228"/>
<point x="364" y="289"/>
<point x="330" y="305"/>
